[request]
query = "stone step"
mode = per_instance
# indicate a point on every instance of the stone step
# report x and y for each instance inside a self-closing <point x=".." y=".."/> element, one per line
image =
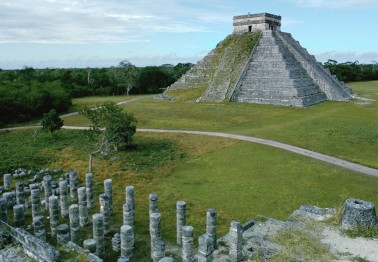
<point x="267" y="49"/>
<point x="287" y="101"/>
<point x="279" y="91"/>
<point x="275" y="73"/>
<point x="278" y="82"/>
<point x="275" y="64"/>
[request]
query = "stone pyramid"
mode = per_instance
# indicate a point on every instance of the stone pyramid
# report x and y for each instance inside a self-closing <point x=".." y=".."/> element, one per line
<point x="276" y="70"/>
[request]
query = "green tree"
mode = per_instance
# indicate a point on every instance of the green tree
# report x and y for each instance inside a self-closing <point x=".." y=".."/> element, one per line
<point x="111" y="128"/>
<point x="51" y="121"/>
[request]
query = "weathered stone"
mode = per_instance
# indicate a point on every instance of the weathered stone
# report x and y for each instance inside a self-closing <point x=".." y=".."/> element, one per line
<point x="83" y="211"/>
<point x="211" y="226"/>
<point x="205" y="248"/>
<point x="123" y="259"/>
<point x="128" y="215"/>
<point x="180" y="220"/>
<point x="73" y="185"/>
<point x="89" y="184"/>
<point x="130" y="196"/>
<point x="312" y="212"/>
<point x="3" y="210"/>
<point x="127" y="242"/>
<point x="187" y="244"/>
<point x="116" y="242"/>
<point x="167" y="259"/>
<point x="98" y="234"/>
<point x="11" y="198"/>
<point x="108" y="190"/>
<point x="90" y="245"/>
<point x="7" y="178"/>
<point x="235" y="242"/>
<point x="74" y="223"/>
<point x="54" y="214"/>
<point x="19" y="215"/>
<point x="62" y="234"/>
<point x="105" y="210"/>
<point x="358" y="213"/>
<point x="63" y="194"/>
<point x="35" y="202"/>
<point x="159" y="250"/>
<point x="39" y="227"/>
<point x="155" y="230"/>
<point x="20" y="195"/>
<point x="153" y="203"/>
<point x="47" y="187"/>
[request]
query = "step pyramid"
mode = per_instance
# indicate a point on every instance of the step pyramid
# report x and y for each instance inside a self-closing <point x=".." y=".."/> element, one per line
<point x="277" y="70"/>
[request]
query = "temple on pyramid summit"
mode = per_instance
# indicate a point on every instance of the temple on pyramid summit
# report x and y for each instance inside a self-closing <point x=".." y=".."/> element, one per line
<point x="260" y="64"/>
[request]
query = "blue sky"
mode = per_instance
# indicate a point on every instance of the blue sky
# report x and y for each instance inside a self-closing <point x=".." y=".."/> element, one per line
<point x="100" y="33"/>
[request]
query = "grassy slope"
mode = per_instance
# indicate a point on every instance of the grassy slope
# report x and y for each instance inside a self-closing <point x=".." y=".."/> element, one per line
<point x="345" y="130"/>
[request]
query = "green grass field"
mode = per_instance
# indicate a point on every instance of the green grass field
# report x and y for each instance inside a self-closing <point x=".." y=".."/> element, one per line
<point x="343" y="129"/>
<point x="237" y="178"/>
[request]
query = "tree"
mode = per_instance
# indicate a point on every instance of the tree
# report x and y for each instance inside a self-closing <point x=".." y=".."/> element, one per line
<point x="111" y="127"/>
<point x="51" y="121"/>
<point x="125" y="76"/>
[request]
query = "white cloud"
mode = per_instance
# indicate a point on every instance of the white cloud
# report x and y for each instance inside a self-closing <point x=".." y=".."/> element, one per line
<point x="336" y="4"/>
<point x="85" y="21"/>
<point x="342" y="57"/>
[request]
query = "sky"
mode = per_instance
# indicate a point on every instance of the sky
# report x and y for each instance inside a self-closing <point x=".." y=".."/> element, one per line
<point x="101" y="33"/>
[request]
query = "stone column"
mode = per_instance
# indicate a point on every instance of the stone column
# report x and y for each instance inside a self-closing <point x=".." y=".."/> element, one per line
<point x="74" y="223"/>
<point x="90" y="245"/>
<point x="39" y="227"/>
<point x="235" y="241"/>
<point x="62" y="234"/>
<point x="7" y="182"/>
<point x="187" y="244"/>
<point x="3" y="210"/>
<point x="180" y="220"/>
<point x="35" y="202"/>
<point x="83" y="211"/>
<point x="127" y="242"/>
<point x="116" y="242"/>
<point x="155" y="230"/>
<point x="64" y="202"/>
<point x="47" y="187"/>
<point x="154" y="203"/>
<point x="130" y="196"/>
<point x="128" y="215"/>
<point x="108" y="190"/>
<point x="211" y="226"/>
<point x="358" y="213"/>
<point x="54" y="214"/>
<point x="205" y="248"/>
<point x="73" y="185"/>
<point x="98" y="234"/>
<point x="20" y="195"/>
<point x="105" y="210"/>
<point x="89" y="185"/>
<point x="19" y="215"/>
<point x="159" y="250"/>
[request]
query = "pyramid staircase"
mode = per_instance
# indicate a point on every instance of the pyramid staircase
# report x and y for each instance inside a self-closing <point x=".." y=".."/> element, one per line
<point x="274" y="76"/>
<point x="277" y="70"/>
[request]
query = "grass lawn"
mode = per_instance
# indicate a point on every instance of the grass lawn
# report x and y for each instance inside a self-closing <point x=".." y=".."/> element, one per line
<point x="237" y="178"/>
<point x="347" y="130"/>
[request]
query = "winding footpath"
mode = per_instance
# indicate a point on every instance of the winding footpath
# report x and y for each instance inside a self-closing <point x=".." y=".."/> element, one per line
<point x="301" y="151"/>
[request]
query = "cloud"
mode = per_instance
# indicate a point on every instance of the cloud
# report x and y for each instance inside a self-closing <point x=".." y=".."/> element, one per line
<point x="85" y="21"/>
<point x="337" y="4"/>
<point x="342" y="57"/>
